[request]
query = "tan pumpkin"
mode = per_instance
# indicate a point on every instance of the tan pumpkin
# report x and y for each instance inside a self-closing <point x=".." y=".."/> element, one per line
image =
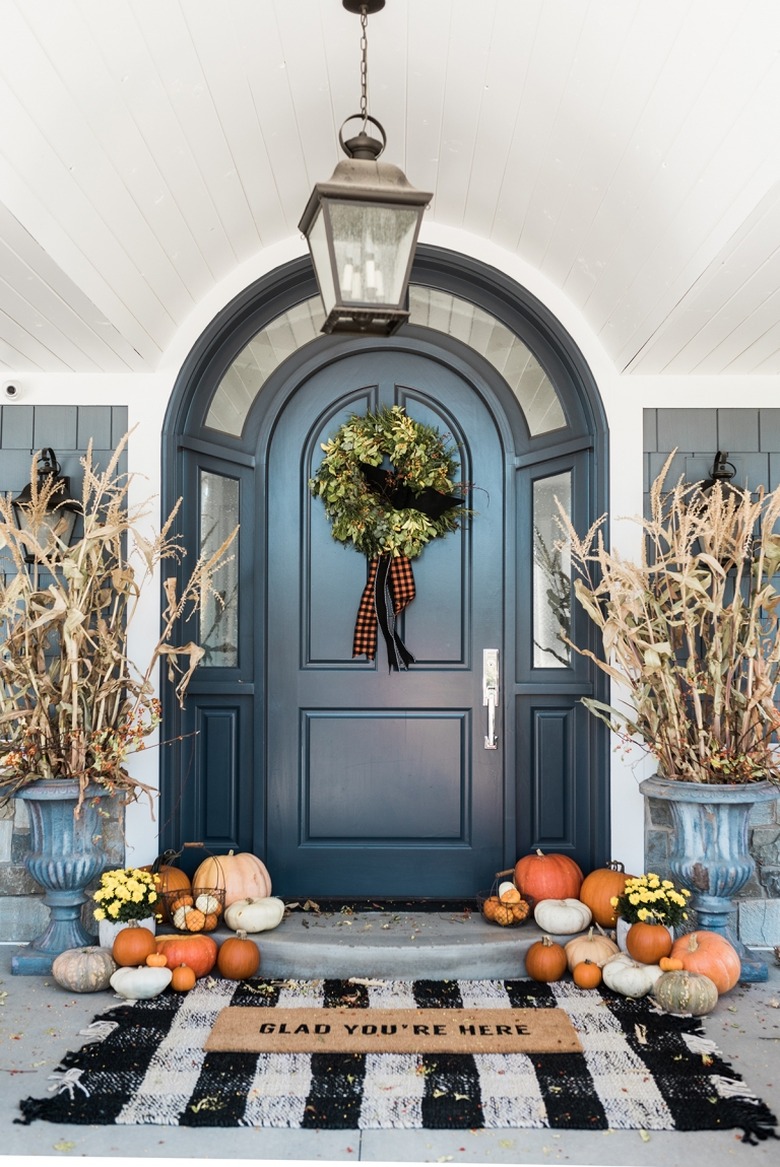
<point x="548" y="877"/>
<point x="647" y="943"/>
<point x="593" y="946"/>
<point x="711" y="954"/>
<point x="132" y="945"/>
<point x="240" y="874"/>
<point x="599" y="888"/>
<point x="84" y="970"/>
<point x="685" y="993"/>
<point x="545" y="960"/>
<point x="238" y="957"/>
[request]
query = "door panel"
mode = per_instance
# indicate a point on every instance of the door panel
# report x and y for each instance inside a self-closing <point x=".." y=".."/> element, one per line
<point x="378" y="782"/>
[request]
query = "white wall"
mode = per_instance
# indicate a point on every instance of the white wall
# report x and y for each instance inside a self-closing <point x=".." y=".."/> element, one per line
<point x="624" y="397"/>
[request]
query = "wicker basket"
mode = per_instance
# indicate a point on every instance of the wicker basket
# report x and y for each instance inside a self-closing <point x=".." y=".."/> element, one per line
<point x="197" y="909"/>
<point x="507" y="911"/>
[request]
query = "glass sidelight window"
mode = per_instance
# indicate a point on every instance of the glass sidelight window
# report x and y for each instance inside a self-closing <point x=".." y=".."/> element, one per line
<point x="219" y="616"/>
<point x="551" y="573"/>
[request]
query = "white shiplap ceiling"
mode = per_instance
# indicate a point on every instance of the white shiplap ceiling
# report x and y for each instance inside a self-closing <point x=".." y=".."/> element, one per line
<point x="627" y="149"/>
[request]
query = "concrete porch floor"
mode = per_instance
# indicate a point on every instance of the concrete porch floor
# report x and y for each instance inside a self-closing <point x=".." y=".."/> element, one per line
<point x="39" y="1022"/>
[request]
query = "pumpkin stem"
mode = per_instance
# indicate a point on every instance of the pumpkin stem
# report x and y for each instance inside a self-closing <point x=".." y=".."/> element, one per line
<point x="540" y="853"/>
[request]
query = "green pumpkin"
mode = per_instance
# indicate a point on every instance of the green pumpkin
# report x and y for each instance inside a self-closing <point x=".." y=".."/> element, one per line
<point x="680" y="991"/>
<point x="84" y="970"/>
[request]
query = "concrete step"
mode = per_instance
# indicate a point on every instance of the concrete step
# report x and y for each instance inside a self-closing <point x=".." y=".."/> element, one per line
<point x="402" y="945"/>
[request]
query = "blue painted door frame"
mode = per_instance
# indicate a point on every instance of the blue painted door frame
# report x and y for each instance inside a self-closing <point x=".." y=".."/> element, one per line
<point x="245" y="779"/>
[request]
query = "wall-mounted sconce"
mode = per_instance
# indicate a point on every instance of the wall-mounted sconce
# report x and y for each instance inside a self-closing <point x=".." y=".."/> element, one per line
<point x="722" y="471"/>
<point x="55" y="527"/>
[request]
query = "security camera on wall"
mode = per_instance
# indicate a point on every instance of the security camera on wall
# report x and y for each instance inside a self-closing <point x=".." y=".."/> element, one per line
<point x="11" y="391"/>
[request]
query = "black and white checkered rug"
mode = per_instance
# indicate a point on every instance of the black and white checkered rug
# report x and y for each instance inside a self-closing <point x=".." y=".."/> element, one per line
<point x="640" y="1069"/>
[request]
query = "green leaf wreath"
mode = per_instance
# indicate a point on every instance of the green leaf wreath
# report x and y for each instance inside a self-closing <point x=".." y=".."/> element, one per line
<point x="420" y="458"/>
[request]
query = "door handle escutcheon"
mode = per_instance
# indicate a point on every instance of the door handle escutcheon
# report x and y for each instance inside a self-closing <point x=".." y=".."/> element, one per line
<point x="490" y="692"/>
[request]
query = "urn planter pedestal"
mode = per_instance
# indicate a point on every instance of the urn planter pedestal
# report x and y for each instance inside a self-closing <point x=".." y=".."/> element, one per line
<point x="709" y="850"/>
<point x="65" y="856"/>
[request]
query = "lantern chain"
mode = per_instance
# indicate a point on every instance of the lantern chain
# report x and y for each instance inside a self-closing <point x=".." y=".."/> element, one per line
<point x="364" y="64"/>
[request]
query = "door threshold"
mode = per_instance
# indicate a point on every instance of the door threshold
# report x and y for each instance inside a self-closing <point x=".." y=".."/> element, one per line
<point x="353" y="904"/>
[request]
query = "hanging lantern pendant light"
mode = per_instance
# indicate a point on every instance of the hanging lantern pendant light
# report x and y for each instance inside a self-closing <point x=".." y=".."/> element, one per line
<point x="362" y="225"/>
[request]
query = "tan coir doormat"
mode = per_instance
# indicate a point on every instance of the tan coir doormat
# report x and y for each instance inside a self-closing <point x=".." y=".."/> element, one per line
<point x="244" y="1029"/>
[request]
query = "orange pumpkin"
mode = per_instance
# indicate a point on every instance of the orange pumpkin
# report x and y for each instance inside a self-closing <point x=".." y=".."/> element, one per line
<point x="587" y="975"/>
<point x="197" y="950"/>
<point x="545" y="960"/>
<point x="183" y="978"/>
<point x="670" y="964"/>
<point x="711" y="954"/>
<point x="132" y="945"/>
<point x="156" y="960"/>
<point x="238" y="958"/>
<point x="600" y="887"/>
<point x="242" y="875"/>
<point x="548" y="877"/>
<point x="647" y="943"/>
<point x="169" y="878"/>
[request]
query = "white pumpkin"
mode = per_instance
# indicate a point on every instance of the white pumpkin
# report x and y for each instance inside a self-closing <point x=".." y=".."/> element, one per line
<point x="255" y="914"/>
<point x="562" y="917"/>
<point x="139" y="984"/>
<point x="625" y="975"/>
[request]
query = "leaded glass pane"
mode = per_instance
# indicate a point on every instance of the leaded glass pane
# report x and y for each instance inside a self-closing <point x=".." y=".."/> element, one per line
<point x="429" y="307"/>
<point x="219" y="614"/>
<point x="551" y="573"/>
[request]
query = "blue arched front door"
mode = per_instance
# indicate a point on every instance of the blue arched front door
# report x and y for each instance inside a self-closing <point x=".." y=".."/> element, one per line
<point x="379" y="782"/>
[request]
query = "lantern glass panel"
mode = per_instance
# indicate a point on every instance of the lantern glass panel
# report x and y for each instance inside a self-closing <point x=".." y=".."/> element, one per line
<point x="373" y="246"/>
<point x="320" y="254"/>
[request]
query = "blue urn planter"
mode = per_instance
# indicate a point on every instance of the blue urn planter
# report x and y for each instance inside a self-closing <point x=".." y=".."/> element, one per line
<point x="710" y="853"/>
<point x="65" y="856"/>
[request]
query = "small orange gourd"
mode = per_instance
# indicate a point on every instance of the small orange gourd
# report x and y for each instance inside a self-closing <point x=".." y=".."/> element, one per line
<point x="238" y="957"/>
<point x="183" y="978"/>
<point x="587" y="975"/>
<point x="156" y="960"/>
<point x="670" y="964"/>
<point x="545" y="960"/>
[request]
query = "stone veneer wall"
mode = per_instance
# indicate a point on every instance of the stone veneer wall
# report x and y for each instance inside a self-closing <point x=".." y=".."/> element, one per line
<point x="752" y="439"/>
<point x="67" y="429"/>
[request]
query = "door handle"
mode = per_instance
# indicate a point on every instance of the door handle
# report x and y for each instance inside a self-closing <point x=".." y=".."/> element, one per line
<point x="490" y="691"/>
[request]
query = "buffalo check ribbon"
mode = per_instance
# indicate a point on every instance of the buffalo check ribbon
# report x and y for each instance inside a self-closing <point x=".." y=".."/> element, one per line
<point x="389" y="589"/>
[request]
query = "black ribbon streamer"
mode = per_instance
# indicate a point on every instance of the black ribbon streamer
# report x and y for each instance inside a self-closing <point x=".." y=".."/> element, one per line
<point x="398" y="655"/>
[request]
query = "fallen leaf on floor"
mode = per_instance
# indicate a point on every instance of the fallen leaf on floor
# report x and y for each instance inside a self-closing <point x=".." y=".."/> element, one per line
<point x="644" y="1136"/>
<point x="63" y="1145"/>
